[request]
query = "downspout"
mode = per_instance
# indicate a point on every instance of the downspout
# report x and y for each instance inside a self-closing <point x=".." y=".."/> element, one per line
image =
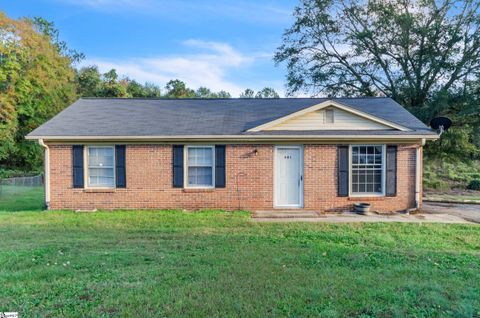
<point x="418" y="174"/>
<point x="47" y="173"/>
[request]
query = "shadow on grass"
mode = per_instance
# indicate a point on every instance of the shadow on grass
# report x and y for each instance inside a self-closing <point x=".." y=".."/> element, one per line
<point x="18" y="198"/>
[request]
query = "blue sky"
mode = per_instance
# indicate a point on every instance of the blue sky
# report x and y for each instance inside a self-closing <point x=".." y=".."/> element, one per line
<point x="225" y="44"/>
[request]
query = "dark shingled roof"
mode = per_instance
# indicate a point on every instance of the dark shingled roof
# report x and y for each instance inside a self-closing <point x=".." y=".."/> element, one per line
<point x="178" y="117"/>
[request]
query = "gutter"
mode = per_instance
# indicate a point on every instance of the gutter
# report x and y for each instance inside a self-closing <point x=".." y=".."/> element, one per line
<point x="418" y="173"/>
<point x="47" y="173"/>
<point x="233" y="137"/>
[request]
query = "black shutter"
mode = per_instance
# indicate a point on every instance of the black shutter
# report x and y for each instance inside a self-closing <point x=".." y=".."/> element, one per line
<point x="343" y="171"/>
<point x="120" y="166"/>
<point x="77" y="165"/>
<point x="391" y="171"/>
<point x="178" y="166"/>
<point x="220" y="166"/>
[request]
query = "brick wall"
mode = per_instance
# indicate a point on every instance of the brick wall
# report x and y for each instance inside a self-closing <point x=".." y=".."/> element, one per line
<point x="249" y="181"/>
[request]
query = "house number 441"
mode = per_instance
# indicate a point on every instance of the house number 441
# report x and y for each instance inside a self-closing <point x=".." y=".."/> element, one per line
<point x="287" y="157"/>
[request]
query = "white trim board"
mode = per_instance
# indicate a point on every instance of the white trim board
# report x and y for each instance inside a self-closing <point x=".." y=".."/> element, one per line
<point x="221" y="138"/>
<point x="328" y="103"/>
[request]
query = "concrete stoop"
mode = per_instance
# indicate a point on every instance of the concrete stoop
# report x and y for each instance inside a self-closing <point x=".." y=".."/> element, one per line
<point x="281" y="214"/>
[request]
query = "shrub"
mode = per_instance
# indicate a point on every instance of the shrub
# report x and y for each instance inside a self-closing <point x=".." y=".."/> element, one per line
<point x="474" y="184"/>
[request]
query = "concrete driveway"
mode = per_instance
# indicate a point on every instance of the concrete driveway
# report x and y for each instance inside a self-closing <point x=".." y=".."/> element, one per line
<point x="469" y="212"/>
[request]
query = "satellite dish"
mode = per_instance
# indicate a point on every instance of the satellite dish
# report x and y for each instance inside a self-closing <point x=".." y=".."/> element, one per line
<point x="441" y="124"/>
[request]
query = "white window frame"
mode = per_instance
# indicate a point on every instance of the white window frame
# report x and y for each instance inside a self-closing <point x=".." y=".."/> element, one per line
<point x="185" y="167"/>
<point x="86" y="170"/>
<point x="350" y="163"/>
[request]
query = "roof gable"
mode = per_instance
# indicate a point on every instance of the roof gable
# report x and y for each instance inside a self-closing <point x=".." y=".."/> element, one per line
<point x="314" y="118"/>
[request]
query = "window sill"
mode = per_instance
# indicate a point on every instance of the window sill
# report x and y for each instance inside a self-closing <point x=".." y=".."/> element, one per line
<point x="197" y="190"/>
<point x="99" y="190"/>
<point x="368" y="198"/>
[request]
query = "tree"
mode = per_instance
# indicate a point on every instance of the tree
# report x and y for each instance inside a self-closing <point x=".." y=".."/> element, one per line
<point x="407" y="49"/>
<point x="223" y="94"/>
<point x="48" y="29"/>
<point x="248" y="93"/>
<point x="112" y="87"/>
<point x="178" y="89"/>
<point x="267" y="92"/>
<point x="89" y="81"/>
<point x="149" y="90"/>
<point x="203" y="92"/>
<point x="37" y="80"/>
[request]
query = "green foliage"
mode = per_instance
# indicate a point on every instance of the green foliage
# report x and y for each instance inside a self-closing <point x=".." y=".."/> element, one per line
<point x="474" y="185"/>
<point x="248" y="93"/>
<point x="204" y="92"/>
<point x="404" y="49"/>
<point x="10" y="173"/>
<point x="266" y="92"/>
<point x="219" y="264"/>
<point x="178" y="89"/>
<point x="455" y="145"/>
<point x="444" y="175"/>
<point x="148" y="90"/>
<point x="36" y="82"/>
<point x="90" y="83"/>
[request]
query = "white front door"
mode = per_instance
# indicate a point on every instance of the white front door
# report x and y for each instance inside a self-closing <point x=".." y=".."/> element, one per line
<point x="288" y="176"/>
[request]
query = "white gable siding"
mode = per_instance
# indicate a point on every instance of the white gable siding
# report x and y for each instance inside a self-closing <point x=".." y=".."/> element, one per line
<point x="315" y="120"/>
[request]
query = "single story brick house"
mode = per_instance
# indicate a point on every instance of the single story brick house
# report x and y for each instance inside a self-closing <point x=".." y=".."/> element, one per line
<point x="299" y="153"/>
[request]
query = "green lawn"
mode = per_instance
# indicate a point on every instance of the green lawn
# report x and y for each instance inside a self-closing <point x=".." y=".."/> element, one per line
<point x="212" y="263"/>
<point x="17" y="198"/>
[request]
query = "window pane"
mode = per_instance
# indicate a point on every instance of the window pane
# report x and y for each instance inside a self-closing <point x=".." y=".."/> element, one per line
<point x="101" y="177"/>
<point x="100" y="156"/>
<point x="200" y="157"/>
<point x="370" y="177"/>
<point x="354" y="177"/>
<point x="200" y="176"/>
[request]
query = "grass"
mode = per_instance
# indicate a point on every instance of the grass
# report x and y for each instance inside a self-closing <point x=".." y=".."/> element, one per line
<point x="213" y="263"/>
<point x="16" y="198"/>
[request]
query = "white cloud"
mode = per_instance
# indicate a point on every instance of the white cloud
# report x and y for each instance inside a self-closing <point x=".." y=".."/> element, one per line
<point x="211" y="67"/>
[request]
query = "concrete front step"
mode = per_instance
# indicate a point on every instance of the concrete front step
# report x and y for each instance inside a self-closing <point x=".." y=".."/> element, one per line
<point x="278" y="214"/>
